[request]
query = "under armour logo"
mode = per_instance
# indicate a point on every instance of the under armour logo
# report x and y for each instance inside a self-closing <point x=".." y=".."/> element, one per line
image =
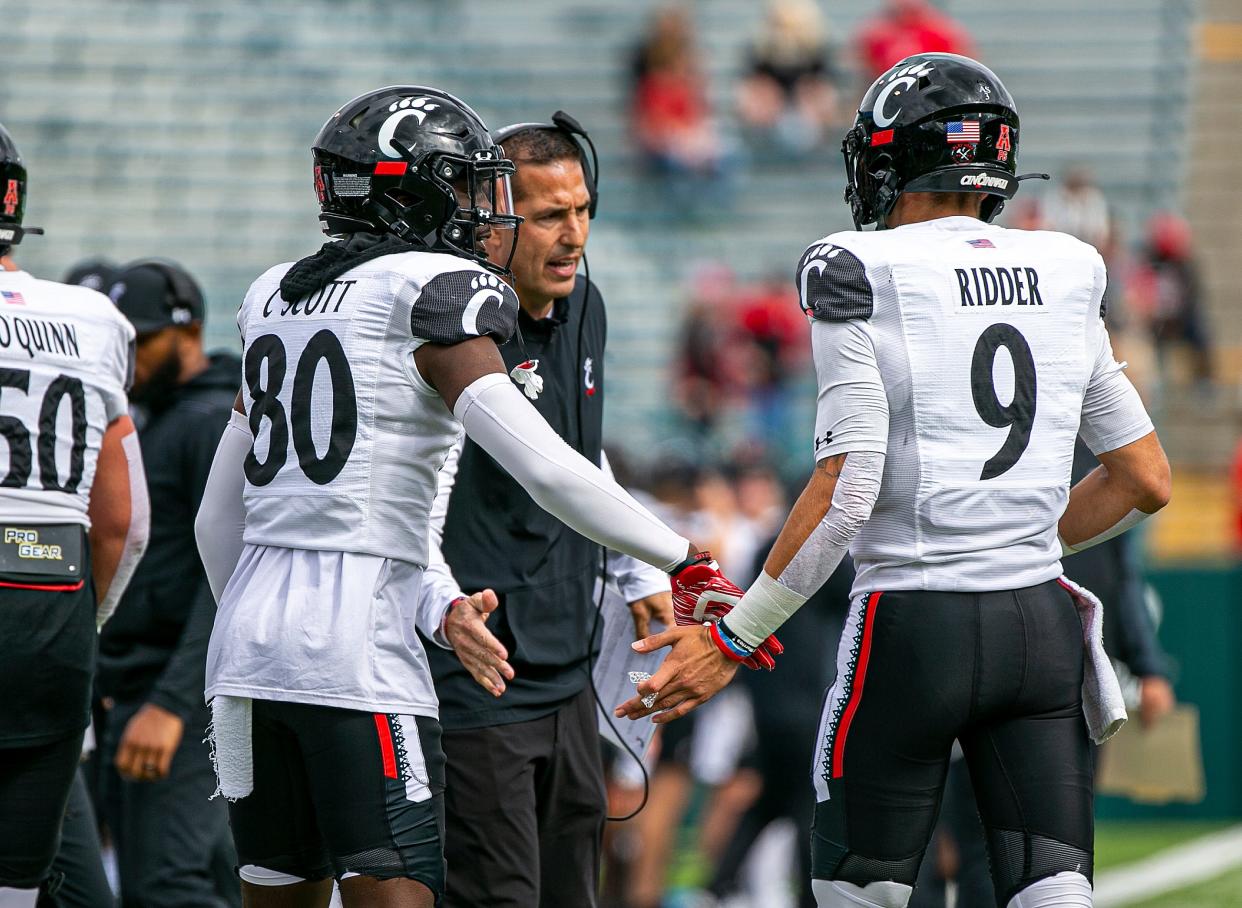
<point x="823" y="441"/>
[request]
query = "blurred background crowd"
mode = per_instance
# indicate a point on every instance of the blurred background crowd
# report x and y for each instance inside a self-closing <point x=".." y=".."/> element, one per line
<point x="182" y="129"/>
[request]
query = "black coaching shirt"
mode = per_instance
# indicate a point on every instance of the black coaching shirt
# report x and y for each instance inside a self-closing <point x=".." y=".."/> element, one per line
<point x="495" y="536"/>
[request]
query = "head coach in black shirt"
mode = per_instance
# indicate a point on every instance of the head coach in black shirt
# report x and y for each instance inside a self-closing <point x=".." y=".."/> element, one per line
<point x="525" y="799"/>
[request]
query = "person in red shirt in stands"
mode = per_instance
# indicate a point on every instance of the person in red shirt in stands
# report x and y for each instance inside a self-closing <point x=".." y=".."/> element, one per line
<point x="907" y="27"/>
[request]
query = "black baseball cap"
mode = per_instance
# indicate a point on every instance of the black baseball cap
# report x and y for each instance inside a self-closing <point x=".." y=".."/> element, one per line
<point x="97" y="274"/>
<point x="156" y="294"/>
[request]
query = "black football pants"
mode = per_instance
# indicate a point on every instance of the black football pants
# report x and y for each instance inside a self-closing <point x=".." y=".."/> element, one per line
<point x="1000" y="672"/>
<point x="525" y="812"/>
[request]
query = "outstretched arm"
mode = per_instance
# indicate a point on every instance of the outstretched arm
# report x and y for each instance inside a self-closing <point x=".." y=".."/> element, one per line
<point x="471" y="378"/>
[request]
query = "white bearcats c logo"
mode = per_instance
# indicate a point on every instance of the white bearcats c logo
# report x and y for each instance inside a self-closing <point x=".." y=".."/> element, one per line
<point x="817" y="264"/>
<point x="486" y="287"/>
<point x="904" y="78"/>
<point x="406" y="107"/>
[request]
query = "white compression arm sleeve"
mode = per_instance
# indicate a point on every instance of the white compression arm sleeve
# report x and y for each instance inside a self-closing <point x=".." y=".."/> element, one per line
<point x="135" y="537"/>
<point x="770" y="601"/>
<point x="221" y="519"/>
<point x="562" y="482"/>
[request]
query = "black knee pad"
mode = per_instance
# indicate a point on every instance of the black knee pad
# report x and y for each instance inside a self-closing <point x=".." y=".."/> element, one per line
<point x="1019" y="858"/>
<point x="832" y="859"/>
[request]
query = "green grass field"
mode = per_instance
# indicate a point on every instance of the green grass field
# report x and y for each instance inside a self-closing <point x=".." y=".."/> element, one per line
<point x="1222" y="892"/>
<point x="1121" y="843"/>
<point x="1117" y="843"/>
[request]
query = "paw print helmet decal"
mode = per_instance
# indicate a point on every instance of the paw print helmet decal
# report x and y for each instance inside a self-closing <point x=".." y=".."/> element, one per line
<point x="418" y="163"/>
<point x="12" y="194"/>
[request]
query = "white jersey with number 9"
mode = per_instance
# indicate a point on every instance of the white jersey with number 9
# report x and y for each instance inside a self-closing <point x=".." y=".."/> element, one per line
<point x="991" y="349"/>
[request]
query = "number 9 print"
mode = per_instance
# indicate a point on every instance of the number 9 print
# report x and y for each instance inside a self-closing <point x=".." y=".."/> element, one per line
<point x="1019" y="415"/>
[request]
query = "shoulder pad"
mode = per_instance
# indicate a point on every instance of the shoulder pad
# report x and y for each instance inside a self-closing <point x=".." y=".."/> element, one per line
<point x="833" y="284"/>
<point x="457" y="305"/>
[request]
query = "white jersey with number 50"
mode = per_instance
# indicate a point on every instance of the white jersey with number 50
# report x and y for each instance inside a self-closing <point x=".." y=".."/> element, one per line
<point x="66" y="361"/>
<point x="988" y="348"/>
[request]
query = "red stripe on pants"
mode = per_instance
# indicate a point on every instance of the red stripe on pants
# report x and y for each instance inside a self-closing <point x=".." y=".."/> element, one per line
<point x="385" y="743"/>
<point x="860" y="675"/>
<point x="46" y="587"/>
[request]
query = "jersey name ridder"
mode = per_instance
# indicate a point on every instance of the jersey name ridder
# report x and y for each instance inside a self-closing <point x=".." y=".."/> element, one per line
<point x="999" y="286"/>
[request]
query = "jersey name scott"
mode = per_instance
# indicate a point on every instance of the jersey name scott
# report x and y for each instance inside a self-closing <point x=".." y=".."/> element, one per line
<point x="326" y="300"/>
<point x="999" y="286"/>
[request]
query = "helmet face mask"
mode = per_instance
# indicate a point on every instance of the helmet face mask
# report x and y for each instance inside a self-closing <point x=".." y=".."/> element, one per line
<point x="932" y="123"/>
<point x="417" y="163"/>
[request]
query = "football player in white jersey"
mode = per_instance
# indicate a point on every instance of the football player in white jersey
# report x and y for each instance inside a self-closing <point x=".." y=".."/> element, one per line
<point x="362" y="364"/>
<point x="957" y="362"/>
<point x="73" y="525"/>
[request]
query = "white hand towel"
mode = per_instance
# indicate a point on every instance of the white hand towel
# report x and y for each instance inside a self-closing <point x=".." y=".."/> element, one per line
<point x="1102" y="702"/>
<point x="230" y="738"/>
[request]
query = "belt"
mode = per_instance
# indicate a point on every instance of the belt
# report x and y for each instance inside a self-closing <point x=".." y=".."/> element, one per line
<point x="47" y="557"/>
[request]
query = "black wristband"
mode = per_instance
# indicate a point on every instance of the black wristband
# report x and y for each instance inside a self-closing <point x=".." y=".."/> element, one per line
<point x="696" y="558"/>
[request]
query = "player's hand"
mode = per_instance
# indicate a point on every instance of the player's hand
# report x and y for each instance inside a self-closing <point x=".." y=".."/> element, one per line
<point x="476" y="647"/>
<point x="148" y="743"/>
<point x="702" y="593"/>
<point x="651" y="608"/>
<point x="1156" y="699"/>
<point x="693" y="672"/>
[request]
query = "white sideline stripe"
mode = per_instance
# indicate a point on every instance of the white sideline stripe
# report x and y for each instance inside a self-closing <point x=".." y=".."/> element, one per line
<point x="1183" y="865"/>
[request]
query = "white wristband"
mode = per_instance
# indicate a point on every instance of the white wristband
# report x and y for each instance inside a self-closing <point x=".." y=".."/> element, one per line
<point x="764" y="608"/>
<point x="1132" y="519"/>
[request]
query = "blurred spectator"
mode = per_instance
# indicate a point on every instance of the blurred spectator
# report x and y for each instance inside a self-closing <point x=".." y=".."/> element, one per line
<point x="1078" y="207"/>
<point x="908" y="27"/>
<point x="671" y="115"/>
<point x="1024" y="214"/>
<point x="703" y="376"/>
<point x="773" y="342"/>
<point x="761" y="504"/>
<point x="789" y="95"/>
<point x="1166" y="290"/>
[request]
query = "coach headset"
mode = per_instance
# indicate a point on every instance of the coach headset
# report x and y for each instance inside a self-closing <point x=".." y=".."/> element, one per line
<point x="572" y="129"/>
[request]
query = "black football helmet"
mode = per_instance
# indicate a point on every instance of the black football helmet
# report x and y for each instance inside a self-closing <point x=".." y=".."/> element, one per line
<point x="932" y="123"/>
<point x="418" y="163"/>
<point x="12" y="194"/>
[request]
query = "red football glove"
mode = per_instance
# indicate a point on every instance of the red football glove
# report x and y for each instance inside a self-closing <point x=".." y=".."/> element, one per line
<point x="701" y="594"/>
